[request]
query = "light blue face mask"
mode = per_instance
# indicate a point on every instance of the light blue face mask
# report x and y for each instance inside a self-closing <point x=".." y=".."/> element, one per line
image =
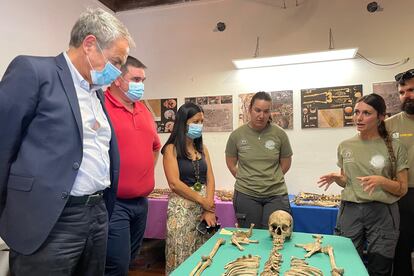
<point x="107" y="75"/>
<point x="194" y="131"/>
<point x="135" y="91"/>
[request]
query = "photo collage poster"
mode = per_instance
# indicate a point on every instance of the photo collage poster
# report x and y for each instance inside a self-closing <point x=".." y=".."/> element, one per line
<point x="281" y="109"/>
<point x="218" y="112"/>
<point x="329" y="107"/>
<point x="163" y="111"/>
<point x="389" y="91"/>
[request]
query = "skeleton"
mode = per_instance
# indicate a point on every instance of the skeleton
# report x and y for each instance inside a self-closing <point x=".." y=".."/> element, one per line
<point x="317" y="200"/>
<point x="272" y="265"/>
<point x="206" y="260"/>
<point x="336" y="271"/>
<point x="299" y="267"/>
<point x="245" y="265"/>
<point x="242" y="237"/>
<point x="280" y="228"/>
<point x="312" y="248"/>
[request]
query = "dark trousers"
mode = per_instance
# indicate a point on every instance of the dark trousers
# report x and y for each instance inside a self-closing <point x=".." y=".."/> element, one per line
<point x="75" y="246"/>
<point x="256" y="210"/>
<point x="405" y="245"/>
<point x="126" y="231"/>
<point x="374" y="224"/>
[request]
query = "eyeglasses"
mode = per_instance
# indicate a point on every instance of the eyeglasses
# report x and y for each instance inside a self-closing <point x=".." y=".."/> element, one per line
<point x="405" y="75"/>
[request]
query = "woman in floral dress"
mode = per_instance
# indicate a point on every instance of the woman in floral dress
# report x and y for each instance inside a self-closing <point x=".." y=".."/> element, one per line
<point x="189" y="174"/>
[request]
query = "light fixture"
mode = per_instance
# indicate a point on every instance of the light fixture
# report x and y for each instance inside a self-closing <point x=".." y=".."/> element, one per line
<point x="329" y="55"/>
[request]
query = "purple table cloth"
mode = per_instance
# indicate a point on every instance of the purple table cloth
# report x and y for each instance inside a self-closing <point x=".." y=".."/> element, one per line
<point x="157" y="216"/>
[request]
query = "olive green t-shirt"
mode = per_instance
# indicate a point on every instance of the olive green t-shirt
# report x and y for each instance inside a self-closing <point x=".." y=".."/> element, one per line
<point x="258" y="170"/>
<point x="359" y="157"/>
<point x="401" y="127"/>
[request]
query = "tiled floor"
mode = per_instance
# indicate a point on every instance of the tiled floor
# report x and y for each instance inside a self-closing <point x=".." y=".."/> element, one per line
<point x="150" y="261"/>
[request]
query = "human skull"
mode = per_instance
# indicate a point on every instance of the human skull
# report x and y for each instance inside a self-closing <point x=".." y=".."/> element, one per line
<point x="280" y="224"/>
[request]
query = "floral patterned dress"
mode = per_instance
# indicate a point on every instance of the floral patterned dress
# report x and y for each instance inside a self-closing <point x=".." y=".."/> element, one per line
<point x="183" y="239"/>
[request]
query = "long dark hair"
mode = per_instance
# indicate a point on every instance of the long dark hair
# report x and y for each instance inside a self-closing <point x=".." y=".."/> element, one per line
<point x="178" y="135"/>
<point x="378" y="103"/>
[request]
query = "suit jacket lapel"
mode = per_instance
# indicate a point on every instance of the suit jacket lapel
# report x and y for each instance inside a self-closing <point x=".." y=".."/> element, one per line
<point x="68" y="86"/>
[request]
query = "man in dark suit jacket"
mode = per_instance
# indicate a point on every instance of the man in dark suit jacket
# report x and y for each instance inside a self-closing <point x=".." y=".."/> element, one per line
<point x="58" y="154"/>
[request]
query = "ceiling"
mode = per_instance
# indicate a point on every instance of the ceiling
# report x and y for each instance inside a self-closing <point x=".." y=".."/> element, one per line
<point x="125" y="5"/>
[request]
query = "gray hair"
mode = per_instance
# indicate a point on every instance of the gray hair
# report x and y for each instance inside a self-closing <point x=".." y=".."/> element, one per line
<point x="103" y="25"/>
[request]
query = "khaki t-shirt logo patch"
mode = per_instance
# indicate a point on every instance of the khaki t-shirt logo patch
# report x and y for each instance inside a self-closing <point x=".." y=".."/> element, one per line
<point x="244" y="145"/>
<point x="347" y="156"/>
<point x="270" y="145"/>
<point x="377" y="161"/>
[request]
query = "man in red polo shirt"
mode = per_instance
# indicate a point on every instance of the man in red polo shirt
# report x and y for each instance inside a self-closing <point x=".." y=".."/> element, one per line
<point x="139" y="146"/>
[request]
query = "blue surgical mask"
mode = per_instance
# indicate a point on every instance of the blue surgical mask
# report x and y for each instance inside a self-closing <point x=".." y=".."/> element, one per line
<point x="107" y="75"/>
<point x="135" y="91"/>
<point x="194" y="131"/>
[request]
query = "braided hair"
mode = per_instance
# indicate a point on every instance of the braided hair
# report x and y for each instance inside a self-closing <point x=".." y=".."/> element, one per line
<point x="378" y="103"/>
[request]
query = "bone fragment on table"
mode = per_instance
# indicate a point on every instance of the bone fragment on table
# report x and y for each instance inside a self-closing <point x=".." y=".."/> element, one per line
<point x="336" y="271"/>
<point x="196" y="268"/>
<point x="273" y="263"/>
<point x="312" y="248"/>
<point x="157" y="193"/>
<point x="280" y="224"/>
<point x="242" y="237"/>
<point x="224" y="195"/>
<point x="206" y="260"/>
<point x="299" y="267"/>
<point x="313" y="199"/>
<point x="245" y="265"/>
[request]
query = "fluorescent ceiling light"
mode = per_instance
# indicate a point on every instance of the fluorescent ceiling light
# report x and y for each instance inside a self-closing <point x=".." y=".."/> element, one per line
<point x="296" y="59"/>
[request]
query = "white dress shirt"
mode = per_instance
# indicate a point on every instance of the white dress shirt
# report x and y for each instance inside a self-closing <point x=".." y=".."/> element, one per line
<point x="93" y="174"/>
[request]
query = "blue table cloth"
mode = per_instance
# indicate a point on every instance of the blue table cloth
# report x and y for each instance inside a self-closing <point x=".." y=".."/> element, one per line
<point x="313" y="219"/>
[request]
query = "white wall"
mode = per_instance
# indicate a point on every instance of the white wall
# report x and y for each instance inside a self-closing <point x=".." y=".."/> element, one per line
<point x="185" y="57"/>
<point x="39" y="27"/>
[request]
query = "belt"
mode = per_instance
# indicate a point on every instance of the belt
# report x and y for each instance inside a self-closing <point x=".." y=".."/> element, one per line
<point x="85" y="199"/>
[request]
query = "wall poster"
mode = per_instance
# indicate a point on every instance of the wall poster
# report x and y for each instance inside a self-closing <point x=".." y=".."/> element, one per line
<point x="281" y="109"/>
<point x="218" y="112"/>
<point x="163" y="111"/>
<point x="329" y="107"/>
<point x="389" y="91"/>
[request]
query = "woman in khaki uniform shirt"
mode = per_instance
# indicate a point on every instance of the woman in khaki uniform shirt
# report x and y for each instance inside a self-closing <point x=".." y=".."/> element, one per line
<point x="374" y="176"/>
